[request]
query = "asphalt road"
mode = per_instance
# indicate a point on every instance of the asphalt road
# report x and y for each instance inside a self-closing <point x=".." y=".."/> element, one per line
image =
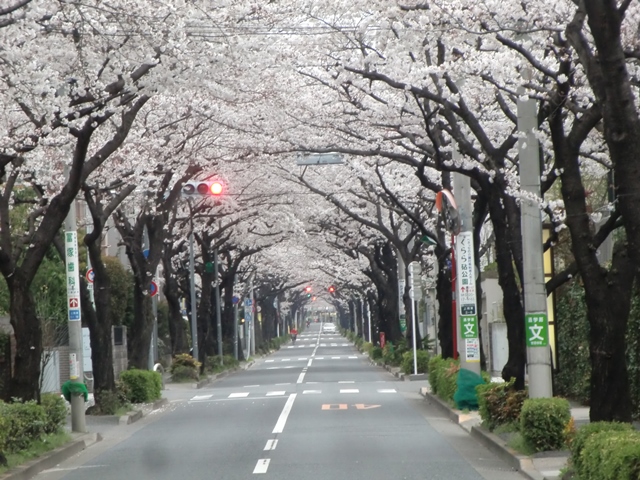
<point x="317" y="410"/>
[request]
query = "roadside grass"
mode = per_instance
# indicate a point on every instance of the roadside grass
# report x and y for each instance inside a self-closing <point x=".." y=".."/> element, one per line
<point x="36" y="449"/>
<point x="510" y="433"/>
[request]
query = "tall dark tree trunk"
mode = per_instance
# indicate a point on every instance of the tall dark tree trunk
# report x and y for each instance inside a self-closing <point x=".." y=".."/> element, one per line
<point x="443" y="293"/>
<point x="141" y="329"/>
<point x="28" y="334"/>
<point x="171" y="292"/>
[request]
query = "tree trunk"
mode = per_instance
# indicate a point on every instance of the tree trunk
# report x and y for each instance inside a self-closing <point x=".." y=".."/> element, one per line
<point x="141" y="328"/>
<point x="171" y="292"/>
<point x="445" y="313"/>
<point x="28" y="334"/>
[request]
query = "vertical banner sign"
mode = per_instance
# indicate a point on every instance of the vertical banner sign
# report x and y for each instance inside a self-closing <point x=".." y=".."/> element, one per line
<point x="73" y="278"/>
<point x="466" y="295"/>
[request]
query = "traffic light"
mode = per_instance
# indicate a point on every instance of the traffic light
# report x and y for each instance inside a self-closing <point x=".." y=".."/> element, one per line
<point x="332" y="289"/>
<point x="308" y="290"/>
<point x="193" y="188"/>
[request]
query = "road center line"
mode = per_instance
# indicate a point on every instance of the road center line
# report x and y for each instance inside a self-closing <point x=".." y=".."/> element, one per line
<point x="283" y="417"/>
<point x="271" y="444"/>
<point x="262" y="465"/>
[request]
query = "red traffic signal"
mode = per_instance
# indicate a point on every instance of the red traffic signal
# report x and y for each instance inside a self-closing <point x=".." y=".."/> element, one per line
<point x="203" y="188"/>
<point x="332" y="289"/>
<point x="307" y="289"/>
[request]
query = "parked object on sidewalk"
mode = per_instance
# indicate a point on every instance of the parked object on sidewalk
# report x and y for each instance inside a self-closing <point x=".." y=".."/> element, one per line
<point x="466" y="396"/>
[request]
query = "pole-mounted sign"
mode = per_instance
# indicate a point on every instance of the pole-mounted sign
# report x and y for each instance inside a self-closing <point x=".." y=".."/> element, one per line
<point x="73" y="278"/>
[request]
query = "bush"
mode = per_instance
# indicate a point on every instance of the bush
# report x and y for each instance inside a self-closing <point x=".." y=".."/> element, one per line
<point x="543" y="422"/>
<point x="500" y="403"/>
<point x="55" y="409"/>
<point x="108" y="402"/>
<point x="585" y="432"/>
<point x="184" y="374"/>
<point x="228" y="362"/>
<point x="611" y="455"/>
<point x="367" y="347"/>
<point x="422" y="360"/>
<point x="376" y="353"/>
<point x="26" y="423"/>
<point x="143" y="385"/>
<point x="443" y="375"/>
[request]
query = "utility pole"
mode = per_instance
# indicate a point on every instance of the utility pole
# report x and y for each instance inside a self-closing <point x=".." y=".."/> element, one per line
<point x="535" y="296"/>
<point x="369" y="321"/>
<point x="235" y="324"/>
<point x="216" y="265"/>
<point x="466" y="301"/>
<point x="78" y="421"/>
<point x="415" y="293"/>
<point x="192" y="283"/>
<point x="252" y="326"/>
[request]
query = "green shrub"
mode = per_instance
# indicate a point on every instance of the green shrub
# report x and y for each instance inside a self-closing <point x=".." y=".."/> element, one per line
<point x="184" y="374"/>
<point x="143" y="385"/>
<point x="543" y="422"/>
<point x="376" y="353"/>
<point x="391" y="355"/>
<point x="108" y="402"/>
<point x="184" y="360"/>
<point x="500" y="403"/>
<point x="228" y="362"/>
<point x="55" y="409"/>
<point x="26" y="423"/>
<point x="443" y="375"/>
<point x="422" y="358"/>
<point x="366" y="348"/>
<point x="610" y="455"/>
<point x="123" y="391"/>
<point x="586" y="431"/>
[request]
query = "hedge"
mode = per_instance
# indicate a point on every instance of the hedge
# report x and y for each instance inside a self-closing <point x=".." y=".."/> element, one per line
<point x="422" y="358"/>
<point x="610" y="455"/>
<point x="500" y="403"/>
<point x="443" y="374"/>
<point x="142" y="386"/>
<point x="543" y="422"/>
<point x="588" y="430"/>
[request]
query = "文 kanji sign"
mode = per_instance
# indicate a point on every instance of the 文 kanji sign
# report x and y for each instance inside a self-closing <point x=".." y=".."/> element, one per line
<point x="537" y="329"/>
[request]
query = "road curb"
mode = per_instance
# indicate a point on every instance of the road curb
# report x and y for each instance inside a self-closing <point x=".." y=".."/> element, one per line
<point x="519" y="462"/>
<point x="51" y="459"/>
<point x="136" y="415"/>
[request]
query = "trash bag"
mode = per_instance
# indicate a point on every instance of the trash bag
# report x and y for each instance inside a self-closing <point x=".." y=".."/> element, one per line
<point x="466" y="396"/>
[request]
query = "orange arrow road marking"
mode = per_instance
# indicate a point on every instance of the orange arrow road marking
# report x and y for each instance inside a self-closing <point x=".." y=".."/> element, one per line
<point x="362" y="406"/>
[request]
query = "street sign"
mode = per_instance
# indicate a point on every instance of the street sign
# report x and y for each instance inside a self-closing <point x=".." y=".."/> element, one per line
<point x="537" y="329"/>
<point x="90" y="275"/>
<point x="247" y="302"/>
<point x="153" y="289"/>
<point x="472" y="350"/>
<point x="466" y="273"/>
<point x="235" y="299"/>
<point x="320" y="159"/>
<point x="469" y="327"/>
<point x="73" y="279"/>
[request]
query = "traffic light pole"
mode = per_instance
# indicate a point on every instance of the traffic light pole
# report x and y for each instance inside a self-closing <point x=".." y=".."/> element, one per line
<point x="218" y="312"/>
<point x="192" y="283"/>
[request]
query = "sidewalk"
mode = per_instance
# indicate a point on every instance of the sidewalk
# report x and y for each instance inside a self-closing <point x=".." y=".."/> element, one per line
<point x="540" y="466"/>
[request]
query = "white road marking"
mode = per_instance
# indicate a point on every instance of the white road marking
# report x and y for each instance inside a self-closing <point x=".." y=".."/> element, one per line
<point x="286" y="359"/>
<point x="250" y="386"/>
<point x="285" y="413"/>
<point x="347" y="381"/>
<point x="302" y="358"/>
<point x="319" y="358"/>
<point x="273" y="394"/>
<point x="387" y="390"/>
<point x="289" y="383"/>
<point x="239" y="395"/>
<point x="312" y="383"/>
<point x="200" y="397"/>
<point x="262" y="465"/>
<point x="301" y="377"/>
<point x="335" y="358"/>
<point x="309" y="362"/>
<point x="349" y="390"/>
<point x="353" y="356"/>
<point x="269" y="361"/>
<point x="280" y="368"/>
<point x="271" y="444"/>
<point x="307" y="392"/>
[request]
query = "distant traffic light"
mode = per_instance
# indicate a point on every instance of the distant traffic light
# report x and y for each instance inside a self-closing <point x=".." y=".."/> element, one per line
<point x="332" y="289"/>
<point x="308" y="290"/>
<point x="202" y="188"/>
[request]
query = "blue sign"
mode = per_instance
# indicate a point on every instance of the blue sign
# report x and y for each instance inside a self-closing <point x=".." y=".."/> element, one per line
<point x="145" y="252"/>
<point x="247" y="302"/>
<point x="235" y="300"/>
<point x="153" y="290"/>
<point x="74" y="314"/>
